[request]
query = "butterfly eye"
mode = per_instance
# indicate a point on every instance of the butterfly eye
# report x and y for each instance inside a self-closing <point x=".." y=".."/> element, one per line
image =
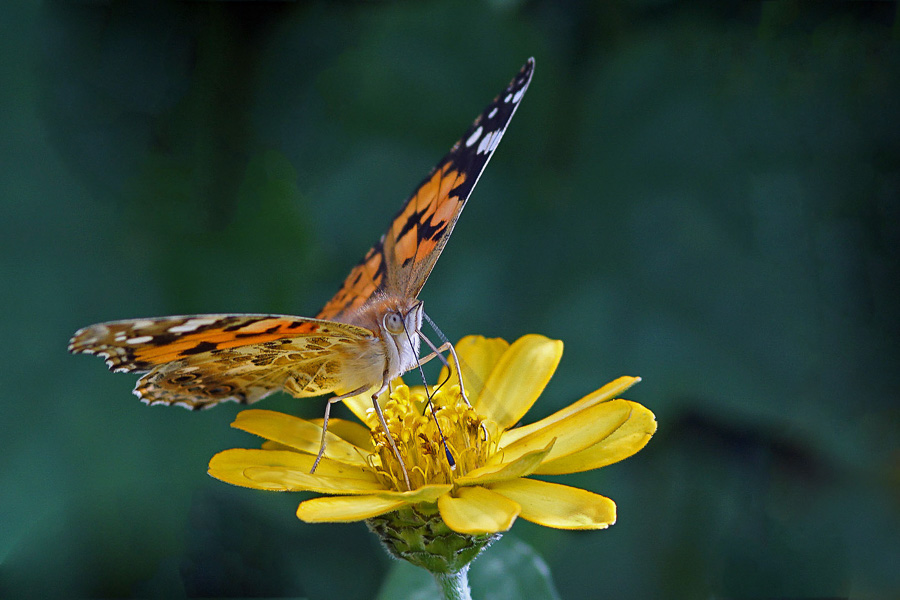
<point x="393" y="323"/>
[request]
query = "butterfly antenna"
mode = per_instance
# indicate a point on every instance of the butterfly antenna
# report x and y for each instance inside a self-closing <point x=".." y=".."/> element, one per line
<point x="436" y="352"/>
<point x="437" y="329"/>
<point x="445" y="344"/>
<point x="428" y="394"/>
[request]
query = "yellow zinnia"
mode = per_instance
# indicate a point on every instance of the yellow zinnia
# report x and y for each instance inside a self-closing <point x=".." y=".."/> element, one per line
<point x="486" y="484"/>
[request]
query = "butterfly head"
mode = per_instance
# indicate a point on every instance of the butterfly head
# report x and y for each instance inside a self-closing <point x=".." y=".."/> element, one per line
<point x="402" y="319"/>
<point x="397" y="321"/>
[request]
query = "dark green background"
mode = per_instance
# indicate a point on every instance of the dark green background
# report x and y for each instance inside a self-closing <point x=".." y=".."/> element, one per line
<point x="704" y="195"/>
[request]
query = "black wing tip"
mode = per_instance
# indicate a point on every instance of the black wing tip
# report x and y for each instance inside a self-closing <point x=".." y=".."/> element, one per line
<point x="517" y="86"/>
<point x="527" y="69"/>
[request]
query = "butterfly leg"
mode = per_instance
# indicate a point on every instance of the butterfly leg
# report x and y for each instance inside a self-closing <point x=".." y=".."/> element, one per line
<point x="331" y="401"/>
<point x="387" y="432"/>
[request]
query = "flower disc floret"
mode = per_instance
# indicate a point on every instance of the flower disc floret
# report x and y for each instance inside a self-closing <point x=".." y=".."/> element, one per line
<point x="437" y="440"/>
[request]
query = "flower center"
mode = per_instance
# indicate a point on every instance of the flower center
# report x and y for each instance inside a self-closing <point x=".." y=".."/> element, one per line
<point x="425" y="435"/>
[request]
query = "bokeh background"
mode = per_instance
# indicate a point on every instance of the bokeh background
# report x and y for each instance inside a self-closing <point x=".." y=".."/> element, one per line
<point x="703" y="194"/>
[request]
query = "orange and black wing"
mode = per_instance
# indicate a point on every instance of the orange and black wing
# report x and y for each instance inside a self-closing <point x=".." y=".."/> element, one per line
<point x="403" y="258"/>
<point x="200" y="360"/>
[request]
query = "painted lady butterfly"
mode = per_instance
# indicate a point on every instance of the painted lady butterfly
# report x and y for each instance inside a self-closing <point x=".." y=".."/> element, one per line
<point x="366" y="336"/>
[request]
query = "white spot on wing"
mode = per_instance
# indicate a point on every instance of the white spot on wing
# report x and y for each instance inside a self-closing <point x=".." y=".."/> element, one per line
<point x="495" y="140"/>
<point x="508" y="98"/>
<point x="482" y="147"/>
<point x="191" y="325"/>
<point x="493" y="113"/>
<point x="473" y="138"/>
<point x="140" y="340"/>
<point x="518" y="96"/>
<point x="489" y="142"/>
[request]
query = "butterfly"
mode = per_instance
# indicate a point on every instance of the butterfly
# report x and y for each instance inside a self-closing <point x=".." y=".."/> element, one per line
<point x="364" y="337"/>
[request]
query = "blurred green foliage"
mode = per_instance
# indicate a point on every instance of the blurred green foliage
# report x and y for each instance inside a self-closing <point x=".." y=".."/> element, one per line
<point x="705" y="195"/>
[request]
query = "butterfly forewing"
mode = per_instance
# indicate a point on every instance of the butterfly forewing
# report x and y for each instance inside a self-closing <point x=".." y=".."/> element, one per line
<point x="403" y="258"/>
<point x="197" y="361"/>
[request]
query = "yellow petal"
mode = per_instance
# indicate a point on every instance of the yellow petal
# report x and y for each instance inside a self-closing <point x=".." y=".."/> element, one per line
<point x="477" y="510"/>
<point x="627" y="439"/>
<point x="351" y="431"/>
<point x="573" y="434"/>
<point x="292" y="480"/>
<point x="235" y="466"/>
<point x="522" y="466"/>
<point x="344" y="509"/>
<point x="477" y="356"/>
<point x="559" y="506"/>
<point x="270" y="445"/>
<point x="518" y="379"/>
<point x="298" y="433"/>
<point x="360" y="404"/>
<point x="426" y="493"/>
<point x="611" y="390"/>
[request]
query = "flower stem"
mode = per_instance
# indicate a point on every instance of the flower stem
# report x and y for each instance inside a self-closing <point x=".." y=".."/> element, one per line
<point x="454" y="586"/>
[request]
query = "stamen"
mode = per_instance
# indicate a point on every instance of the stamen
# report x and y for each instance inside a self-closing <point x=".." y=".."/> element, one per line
<point x="452" y="426"/>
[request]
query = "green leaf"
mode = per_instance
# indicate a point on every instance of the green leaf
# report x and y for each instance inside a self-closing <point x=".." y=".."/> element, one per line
<point x="508" y="570"/>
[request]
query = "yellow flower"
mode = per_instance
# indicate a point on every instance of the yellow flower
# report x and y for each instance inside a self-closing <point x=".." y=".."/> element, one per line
<point x="486" y="484"/>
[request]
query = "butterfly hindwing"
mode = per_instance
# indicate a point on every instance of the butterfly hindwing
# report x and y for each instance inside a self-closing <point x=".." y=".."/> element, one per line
<point x="403" y="258"/>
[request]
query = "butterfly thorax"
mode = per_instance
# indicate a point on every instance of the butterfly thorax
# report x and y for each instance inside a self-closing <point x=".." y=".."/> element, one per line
<point x="396" y="322"/>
